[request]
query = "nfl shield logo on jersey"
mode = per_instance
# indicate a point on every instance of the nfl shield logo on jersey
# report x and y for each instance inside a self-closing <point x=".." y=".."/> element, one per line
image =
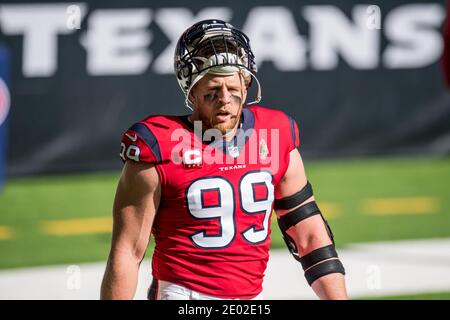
<point x="233" y="151"/>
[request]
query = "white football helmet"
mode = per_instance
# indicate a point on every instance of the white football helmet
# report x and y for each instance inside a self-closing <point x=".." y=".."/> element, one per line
<point x="213" y="46"/>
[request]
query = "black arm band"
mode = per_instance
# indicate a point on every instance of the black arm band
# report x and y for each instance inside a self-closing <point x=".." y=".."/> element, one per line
<point x="324" y="268"/>
<point x="295" y="199"/>
<point x="318" y="255"/>
<point x="295" y="216"/>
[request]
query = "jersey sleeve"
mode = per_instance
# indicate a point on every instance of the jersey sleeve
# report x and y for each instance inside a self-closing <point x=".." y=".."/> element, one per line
<point x="140" y="144"/>
<point x="293" y="133"/>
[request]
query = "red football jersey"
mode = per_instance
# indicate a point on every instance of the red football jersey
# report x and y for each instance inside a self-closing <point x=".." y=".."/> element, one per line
<point x="212" y="228"/>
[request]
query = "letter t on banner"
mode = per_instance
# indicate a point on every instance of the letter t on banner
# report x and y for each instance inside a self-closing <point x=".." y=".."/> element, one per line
<point x="4" y="110"/>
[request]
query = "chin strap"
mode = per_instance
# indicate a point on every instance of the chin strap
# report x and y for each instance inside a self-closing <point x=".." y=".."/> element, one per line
<point x="258" y="90"/>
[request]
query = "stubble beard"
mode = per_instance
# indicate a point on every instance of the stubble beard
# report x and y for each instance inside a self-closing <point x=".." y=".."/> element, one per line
<point x="226" y="127"/>
<point x="222" y="127"/>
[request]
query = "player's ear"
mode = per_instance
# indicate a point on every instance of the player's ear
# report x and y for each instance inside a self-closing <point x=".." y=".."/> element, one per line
<point x="192" y="96"/>
<point x="245" y="78"/>
<point x="244" y="92"/>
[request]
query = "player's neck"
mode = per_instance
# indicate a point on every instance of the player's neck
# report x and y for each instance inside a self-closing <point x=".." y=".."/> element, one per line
<point x="229" y="135"/>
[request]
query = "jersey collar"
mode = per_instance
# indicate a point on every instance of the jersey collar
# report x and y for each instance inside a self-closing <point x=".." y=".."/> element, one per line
<point x="235" y="145"/>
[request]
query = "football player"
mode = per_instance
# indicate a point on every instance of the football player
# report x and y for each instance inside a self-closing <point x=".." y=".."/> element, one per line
<point x="205" y="185"/>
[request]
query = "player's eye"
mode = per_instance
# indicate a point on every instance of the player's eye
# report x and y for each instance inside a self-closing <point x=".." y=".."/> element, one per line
<point x="210" y="96"/>
<point x="235" y="92"/>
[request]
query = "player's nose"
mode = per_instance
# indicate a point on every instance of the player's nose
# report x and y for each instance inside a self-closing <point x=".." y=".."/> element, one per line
<point x="224" y="95"/>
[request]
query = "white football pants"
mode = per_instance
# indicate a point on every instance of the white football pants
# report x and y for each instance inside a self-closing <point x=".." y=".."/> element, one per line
<point x="164" y="290"/>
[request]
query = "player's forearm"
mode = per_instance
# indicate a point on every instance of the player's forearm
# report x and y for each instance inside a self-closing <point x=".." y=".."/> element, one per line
<point x="330" y="287"/>
<point x="120" y="279"/>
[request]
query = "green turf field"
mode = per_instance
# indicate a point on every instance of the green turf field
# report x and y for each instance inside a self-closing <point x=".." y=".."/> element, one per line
<point x="350" y="188"/>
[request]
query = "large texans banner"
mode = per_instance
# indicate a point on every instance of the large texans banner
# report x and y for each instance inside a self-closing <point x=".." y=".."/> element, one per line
<point x="359" y="78"/>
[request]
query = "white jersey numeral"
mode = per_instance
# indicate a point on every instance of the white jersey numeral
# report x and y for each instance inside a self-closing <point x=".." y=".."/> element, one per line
<point x="225" y="208"/>
<point x="252" y="206"/>
<point x="133" y="152"/>
<point x="223" y="211"/>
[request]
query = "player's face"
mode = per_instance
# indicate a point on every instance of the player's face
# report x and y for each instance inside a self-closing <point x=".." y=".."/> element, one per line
<point x="218" y="101"/>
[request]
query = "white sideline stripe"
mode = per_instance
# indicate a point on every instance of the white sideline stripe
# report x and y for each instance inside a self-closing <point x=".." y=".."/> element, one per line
<point x="404" y="267"/>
